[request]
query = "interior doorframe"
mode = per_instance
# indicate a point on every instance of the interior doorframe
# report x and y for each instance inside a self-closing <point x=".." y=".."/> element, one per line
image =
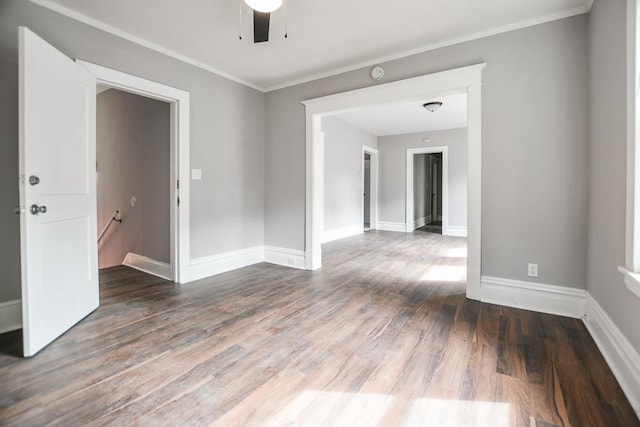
<point x="179" y="101"/>
<point x="373" y="185"/>
<point x="410" y="224"/>
<point x="460" y="80"/>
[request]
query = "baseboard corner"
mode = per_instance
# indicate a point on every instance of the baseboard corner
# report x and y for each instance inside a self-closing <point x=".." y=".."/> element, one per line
<point x="204" y="267"/>
<point x="622" y="358"/>
<point x="286" y="257"/>
<point x="392" y="226"/>
<point x="10" y="315"/>
<point x="148" y="265"/>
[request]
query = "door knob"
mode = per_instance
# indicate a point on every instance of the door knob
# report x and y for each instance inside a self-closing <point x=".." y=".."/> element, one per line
<point x="35" y="209"/>
<point x="34" y="180"/>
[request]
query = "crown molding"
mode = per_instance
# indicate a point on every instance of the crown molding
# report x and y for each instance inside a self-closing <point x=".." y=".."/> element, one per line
<point x="475" y="36"/>
<point x="69" y="13"/>
<point x="588" y="4"/>
<point x="51" y="5"/>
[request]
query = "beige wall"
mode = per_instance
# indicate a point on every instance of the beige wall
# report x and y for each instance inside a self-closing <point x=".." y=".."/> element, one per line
<point x="133" y="154"/>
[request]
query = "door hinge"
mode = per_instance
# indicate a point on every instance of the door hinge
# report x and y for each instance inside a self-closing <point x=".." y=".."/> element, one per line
<point x="178" y="201"/>
<point x="177" y="184"/>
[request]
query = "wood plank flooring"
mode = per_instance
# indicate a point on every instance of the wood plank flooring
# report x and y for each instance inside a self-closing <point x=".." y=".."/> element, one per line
<point x="382" y="335"/>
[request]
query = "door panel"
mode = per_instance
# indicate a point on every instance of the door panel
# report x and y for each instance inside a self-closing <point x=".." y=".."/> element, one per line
<point x="57" y="145"/>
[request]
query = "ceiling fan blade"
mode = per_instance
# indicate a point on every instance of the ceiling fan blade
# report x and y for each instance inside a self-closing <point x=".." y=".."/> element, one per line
<point x="261" y="26"/>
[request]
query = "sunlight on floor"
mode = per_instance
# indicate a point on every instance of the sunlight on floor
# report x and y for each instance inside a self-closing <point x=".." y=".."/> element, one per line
<point x="456" y="413"/>
<point x="457" y="253"/>
<point x="322" y="408"/>
<point x="446" y="273"/>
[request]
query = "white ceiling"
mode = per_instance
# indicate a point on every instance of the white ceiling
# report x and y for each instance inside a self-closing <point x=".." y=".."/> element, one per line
<point x="411" y="117"/>
<point x="325" y="36"/>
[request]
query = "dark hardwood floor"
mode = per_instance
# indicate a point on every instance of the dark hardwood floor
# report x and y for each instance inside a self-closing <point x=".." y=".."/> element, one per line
<point x="382" y="335"/>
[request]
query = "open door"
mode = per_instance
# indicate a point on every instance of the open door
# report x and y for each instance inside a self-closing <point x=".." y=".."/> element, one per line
<point x="57" y="192"/>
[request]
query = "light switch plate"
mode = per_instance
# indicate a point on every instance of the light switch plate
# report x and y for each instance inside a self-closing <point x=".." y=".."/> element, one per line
<point x="196" y="174"/>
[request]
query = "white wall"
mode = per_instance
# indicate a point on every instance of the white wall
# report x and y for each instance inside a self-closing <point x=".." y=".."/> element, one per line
<point x="393" y="173"/>
<point x="343" y="192"/>
<point x="133" y="154"/>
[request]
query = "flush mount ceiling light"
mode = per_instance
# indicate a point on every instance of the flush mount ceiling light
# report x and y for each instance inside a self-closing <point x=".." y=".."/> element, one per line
<point x="264" y="6"/>
<point x="432" y="106"/>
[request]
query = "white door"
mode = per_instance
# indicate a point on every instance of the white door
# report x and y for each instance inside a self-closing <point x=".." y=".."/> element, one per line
<point x="57" y="191"/>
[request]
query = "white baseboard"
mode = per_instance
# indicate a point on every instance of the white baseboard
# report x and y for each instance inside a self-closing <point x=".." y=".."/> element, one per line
<point x="620" y="355"/>
<point x="456" y="230"/>
<point x="282" y="256"/>
<point x="421" y="222"/>
<point x="551" y="299"/>
<point x="148" y="265"/>
<point x="216" y="264"/>
<point x="391" y="226"/>
<point x="10" y="315"/>
<point x="342" y="232"/>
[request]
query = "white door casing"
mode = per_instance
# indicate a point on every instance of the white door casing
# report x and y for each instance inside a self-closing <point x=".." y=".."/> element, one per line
<point x="179" y="101"/>
<point x="410" y="217"/>
<point x="57" y="145"/>
<point x="465" y="79"/>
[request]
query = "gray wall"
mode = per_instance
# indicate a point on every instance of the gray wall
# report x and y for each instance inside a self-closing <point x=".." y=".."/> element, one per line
<point x="529" y="213"/>
<point x="607" y="65"/>
<point x="9" y="222"/>
<point x="421" y="202"/>
<point x="343" y="190"/>
<point x="227" y="131"/>
<point x="393" y="173"/>
<point x="133" y="153"/>
<point x="423" y="170"/>
<point x="367" y="188"/>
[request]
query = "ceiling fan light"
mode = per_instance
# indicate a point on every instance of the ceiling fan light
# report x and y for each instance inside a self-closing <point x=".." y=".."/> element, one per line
<point x="265" y="6"/>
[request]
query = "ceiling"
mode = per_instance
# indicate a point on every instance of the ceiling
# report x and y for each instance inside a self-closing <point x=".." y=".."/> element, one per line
<point x="325" y="36"/>
<point x="411" y="117"/>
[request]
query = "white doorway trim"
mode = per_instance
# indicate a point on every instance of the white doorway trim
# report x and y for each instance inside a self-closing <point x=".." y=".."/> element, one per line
<point x="373" y="183"/>
<point x="459" y="80"/>
<point x="410" y="196"/>
<point x="179" y="157"/>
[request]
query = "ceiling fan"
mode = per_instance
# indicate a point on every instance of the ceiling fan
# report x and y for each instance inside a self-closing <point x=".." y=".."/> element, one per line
<point x="261" y="16"/>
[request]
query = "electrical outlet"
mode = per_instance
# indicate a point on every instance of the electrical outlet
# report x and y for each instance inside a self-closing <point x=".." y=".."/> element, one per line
<point x="196" y="174"/>
<point x="532" y="270"/>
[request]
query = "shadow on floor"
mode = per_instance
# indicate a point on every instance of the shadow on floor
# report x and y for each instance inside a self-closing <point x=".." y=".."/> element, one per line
<point x="434" y="227"/>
